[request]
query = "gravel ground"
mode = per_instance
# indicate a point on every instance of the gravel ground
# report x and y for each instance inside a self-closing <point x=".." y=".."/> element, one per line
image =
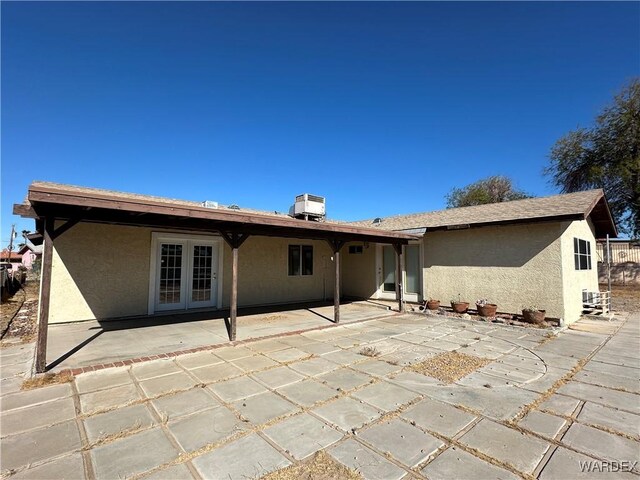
<point x="450" y="366"/>
<point x="625" y="297"/>
<point x="22" y="327"/>
<point x="321" y="467"/>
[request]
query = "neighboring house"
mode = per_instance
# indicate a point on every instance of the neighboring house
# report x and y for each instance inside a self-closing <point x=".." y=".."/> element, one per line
<point x="624" y="260"/>
<point x="182" y="255"/>
<point x="15" y="258"/>
<point x="30" y="253"/>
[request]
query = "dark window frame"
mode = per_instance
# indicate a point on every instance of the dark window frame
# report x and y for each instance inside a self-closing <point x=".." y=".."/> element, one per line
<point x="356" y="249"/>
<point x="582" y="254"/>
<point x="300" y="261"/>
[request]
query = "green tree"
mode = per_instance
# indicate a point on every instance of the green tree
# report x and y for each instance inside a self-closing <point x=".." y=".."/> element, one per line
<point x="489" y="190"/>
<point x="607" y="156"/>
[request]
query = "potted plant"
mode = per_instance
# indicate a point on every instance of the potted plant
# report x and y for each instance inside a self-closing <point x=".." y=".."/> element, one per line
<point x="459" y="306"/>
<point x="533" y="314"/>
<point x="486" y="309"/>
<point x="433" y="304"/>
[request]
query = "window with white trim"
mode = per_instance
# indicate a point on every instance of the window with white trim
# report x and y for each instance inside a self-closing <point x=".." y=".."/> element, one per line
<point x="582" y="254"/>
<point x="300" y="260"/>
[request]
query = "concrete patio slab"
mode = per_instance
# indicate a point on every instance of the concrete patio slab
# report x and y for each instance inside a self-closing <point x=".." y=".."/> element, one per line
<point x="347" y="413"/>
<point x="288" y="355"/>
<point x="237" y="388"/>
<point x="344" y="379"/>
<point x="254" y="363"/>
<point x="248" y="457"/>
<point x="365" y="461"/>
<point x="122" y="458"/>
<point x="438" y="417"/>
<point x="456" y="463"/>
<point x="307" y="393"/>
<point x="37" y="396"/>
<point x="510" y="446"/>
<point x="609" y="380"/>
<point x="385" y="396"/>
<point x="198" y="359"/>
<point x="408" y="444"/>
<point x="67" y="467"/>
<point x="278" y="377"/>
<point x="344" y="357"/>
<point x="543" y="423"/>
<point x="155" y="368"/>
<point x="216" y="373"/>
<point x="604" y="396"/>
<point x="313" y="366"/>
<point x="302" y="435"/>
<point x="105" y="399"/>
<point x="37" y="416"/>
<point x="117" y="421"/>
<point x="37" y="445"/>
<point x="560" y="405"/>
<point x="620" y="371"/>
<point x="209" y="426"/>
<point x="177" y="472"/>
<point x="108" y="378"/>
<point x="269" y="345"/>
<point x="594" y="414"/>
<point x="233" y="353"/>
<point x="416" y="382"/>
<point x="264" y="407"/>
<point x="184" y="403"/>
<point x="600" y="444"/>
<point x="167" y="383"/>
<point x="318" y="347"/>
<point x="567" y="464"/>
<point x="378" y="368"/>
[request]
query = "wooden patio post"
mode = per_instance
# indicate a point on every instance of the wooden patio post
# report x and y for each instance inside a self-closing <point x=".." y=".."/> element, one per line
<point x="336" y="245"/>
<point x="45" y="295"/>
<point x="399" y="276"/>
<point x="234" y="240"/>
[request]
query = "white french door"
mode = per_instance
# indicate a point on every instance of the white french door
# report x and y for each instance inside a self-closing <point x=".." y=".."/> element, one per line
<point x="185" y="273"/>
<point x="386" y="272"/>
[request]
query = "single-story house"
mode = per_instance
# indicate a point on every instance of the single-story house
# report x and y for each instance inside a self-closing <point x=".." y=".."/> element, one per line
<point x="30" y="254"/>
<point x="111" y="254"/>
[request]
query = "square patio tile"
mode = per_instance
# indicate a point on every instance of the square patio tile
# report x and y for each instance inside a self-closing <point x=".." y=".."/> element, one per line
<point x="438" y="417"/>
<point x="154" y="368"/>
<point x="385" y="396"/>
<point x="307" y="392"/>
<point x="302" y="435"/>
<point x="313" y="366"/>
<point x="116" y="421"/>
<point x="347" y="413"/>
<point x="544" y="424"/>
<point x="456" y="463"/>
<point x="344" y="357"/>
<point x="254" y="363"/>
<point x="233" y="353"/>
<point x="288" y="355"/>
<point x="237" y="388"/>
<point x="522" y="451"/>
<point x="215" y="373"/>
<point x="278" y="377"/>
<point x="600" y="444"/>
<point x="107" y="378"/>
<point x="184" y="403"/>
<point x="264" y="407"/>
<point x="594" y="414"/>
<point x="248" y="457"/>
<point x="167" y="383"/>
<point x="378" y="368"/>
<point x="368" y="463"/>
<point x="560" y="405"/>
<point x="344" y="379"/>
<point x="198" y="359"/>
<point x="202" y="428"/>
<point x="319" y="348"/>
<point x="61" y="468"/>
<point x="111" y="397"/>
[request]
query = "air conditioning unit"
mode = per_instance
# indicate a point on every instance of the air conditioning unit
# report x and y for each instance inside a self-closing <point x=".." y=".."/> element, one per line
<point x="309" y="206"/>
<point x="209" y="204"/>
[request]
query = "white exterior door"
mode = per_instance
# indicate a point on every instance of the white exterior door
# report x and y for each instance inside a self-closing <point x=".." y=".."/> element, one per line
<point x="184" y="273"/>
<point x="386" y="262"/>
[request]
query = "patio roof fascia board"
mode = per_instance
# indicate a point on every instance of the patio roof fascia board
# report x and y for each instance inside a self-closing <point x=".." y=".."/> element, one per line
<point x="62" y="205"/>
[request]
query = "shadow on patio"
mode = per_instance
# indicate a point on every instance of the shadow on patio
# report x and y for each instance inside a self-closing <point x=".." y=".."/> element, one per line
<point x="81" y="344"/>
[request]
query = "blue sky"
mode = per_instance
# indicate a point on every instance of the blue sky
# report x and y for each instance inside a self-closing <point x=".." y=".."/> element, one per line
<point x="380" y="107"/>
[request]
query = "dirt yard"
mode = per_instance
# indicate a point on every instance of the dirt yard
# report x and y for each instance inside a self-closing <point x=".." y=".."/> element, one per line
<point x="625" y="298"/>
<point x="22" y="327"/>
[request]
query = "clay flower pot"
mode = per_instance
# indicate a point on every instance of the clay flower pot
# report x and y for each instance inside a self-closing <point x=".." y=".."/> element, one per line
<point x="460" y="307"/>
<point x="433" y="304"/>
<point x="534" y="316"/>
<point x="487" y="310"/>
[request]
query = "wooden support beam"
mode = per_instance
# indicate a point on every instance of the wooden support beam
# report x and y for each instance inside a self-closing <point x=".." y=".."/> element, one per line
<point x="45" y="295"/>
<point x="336" y="245"/>
<point x="399" y="276"/>
<point x="234" y="239"/>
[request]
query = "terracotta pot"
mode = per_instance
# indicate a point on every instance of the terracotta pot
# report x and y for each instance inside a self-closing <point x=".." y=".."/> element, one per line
<point x="433" y="304"/>
<point x="487" y="310"/>
<point x="460" y="307"/>
<point x="536" y="316"/>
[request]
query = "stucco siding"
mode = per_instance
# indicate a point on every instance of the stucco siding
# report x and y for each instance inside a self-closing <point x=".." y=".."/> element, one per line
<point x="359" y="271"/>
<point x="574" y="281"/>
<point x="263" y="276"/>
<point x="512" y="266"/>
<point x="100" y="271"/>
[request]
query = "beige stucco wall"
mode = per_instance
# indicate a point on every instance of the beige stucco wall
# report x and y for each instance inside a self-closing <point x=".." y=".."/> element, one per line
<point x="263" y="276"/>
<point x="513" y="266"/>
<point x="100" y="271"/>
<point x="358" y="271"/>
<point x="574" y="281"/>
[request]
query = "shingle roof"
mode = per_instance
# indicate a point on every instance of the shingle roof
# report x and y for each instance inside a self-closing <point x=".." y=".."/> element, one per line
<point x="579" y="204"/>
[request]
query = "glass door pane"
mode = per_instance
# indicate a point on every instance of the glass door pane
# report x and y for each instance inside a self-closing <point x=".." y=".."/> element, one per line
<point x="412" y="264"/>
<point x="170" y="281"/>
<point x="201" y="273"/>
<point x="388" y="269"/>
